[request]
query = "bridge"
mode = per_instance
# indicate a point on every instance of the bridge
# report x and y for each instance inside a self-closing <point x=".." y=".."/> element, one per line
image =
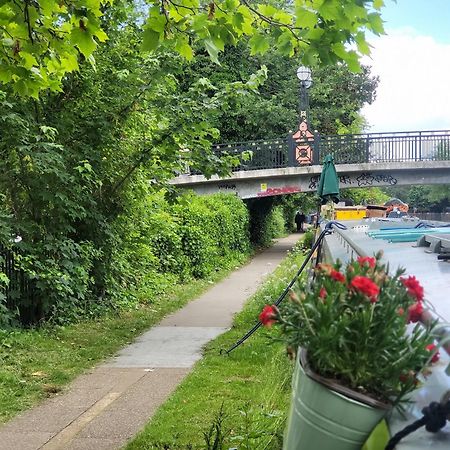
<point x="293" y="164"/>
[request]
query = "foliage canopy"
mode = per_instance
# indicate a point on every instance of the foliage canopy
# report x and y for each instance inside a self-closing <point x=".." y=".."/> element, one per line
<point x="43" y="40"/>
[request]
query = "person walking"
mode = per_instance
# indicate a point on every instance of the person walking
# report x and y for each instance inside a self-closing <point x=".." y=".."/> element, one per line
<point x="300" y="220"/>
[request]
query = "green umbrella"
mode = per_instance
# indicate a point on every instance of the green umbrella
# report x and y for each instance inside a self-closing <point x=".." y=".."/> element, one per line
<point x="328" y="188"/>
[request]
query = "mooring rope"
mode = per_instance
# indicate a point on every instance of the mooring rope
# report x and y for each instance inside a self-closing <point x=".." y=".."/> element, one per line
<point x="435" y="416"/>
<point x="327" y="230"/>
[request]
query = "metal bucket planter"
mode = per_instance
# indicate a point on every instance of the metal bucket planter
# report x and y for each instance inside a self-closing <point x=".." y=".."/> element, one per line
<point x="327" y="416"/>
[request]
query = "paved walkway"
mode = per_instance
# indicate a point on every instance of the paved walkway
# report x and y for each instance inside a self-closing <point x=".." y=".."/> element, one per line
<point x="107" y="406"/>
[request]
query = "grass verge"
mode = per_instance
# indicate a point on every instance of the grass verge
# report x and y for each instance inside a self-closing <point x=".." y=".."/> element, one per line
<point x="236" y="401"/>
<point x="35" y="364"/>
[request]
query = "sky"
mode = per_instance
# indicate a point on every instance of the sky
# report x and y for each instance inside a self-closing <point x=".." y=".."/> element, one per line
<point x="413" y="62"/>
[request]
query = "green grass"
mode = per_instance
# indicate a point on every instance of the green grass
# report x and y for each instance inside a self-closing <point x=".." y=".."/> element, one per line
<point x="35" y="364"/>
<point x="243" y="397"/>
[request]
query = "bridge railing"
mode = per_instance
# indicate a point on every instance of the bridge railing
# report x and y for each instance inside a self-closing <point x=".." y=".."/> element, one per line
<point x="263" y="154"/>
<point x="386" y="147"/>
<point x="346" y="149"/>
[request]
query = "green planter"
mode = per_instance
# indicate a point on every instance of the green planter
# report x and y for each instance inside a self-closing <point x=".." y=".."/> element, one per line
<point x="327" y="416"/>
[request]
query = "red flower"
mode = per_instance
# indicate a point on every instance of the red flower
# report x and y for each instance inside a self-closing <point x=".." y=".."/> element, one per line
<point x="431" y="348"/>
<point x="366" y="286"/>
<point x="367" y="260"/>
<point x="268" y="316"/>
<point x="337" y="276"/>
<point x="323" y="292"/>
<point x="413" y="287"/>
<point x="409" y="377"/>
<point x="415" y="312"/>
<point x="400" y="311"/>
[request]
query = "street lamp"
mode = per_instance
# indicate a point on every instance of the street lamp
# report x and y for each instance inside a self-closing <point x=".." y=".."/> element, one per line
<point x="304" y="75"/>
<point x="302" y="140"/>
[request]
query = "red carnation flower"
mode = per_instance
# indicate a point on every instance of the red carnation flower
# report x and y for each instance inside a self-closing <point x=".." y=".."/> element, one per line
<point x="367" y="260"/>
<point x="415" y="312"/>
<point x="413" y="287"/>
<point x="408" y="377"/>
<point x="268" y="316"/>
<point x="431" y="348"/>
<point x="366" y="286"/>
<point x="323" y="292"/>
<point x="337" y="276"/>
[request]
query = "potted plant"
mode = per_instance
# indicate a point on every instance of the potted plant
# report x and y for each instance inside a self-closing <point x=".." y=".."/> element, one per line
<point x="359" y="351"/>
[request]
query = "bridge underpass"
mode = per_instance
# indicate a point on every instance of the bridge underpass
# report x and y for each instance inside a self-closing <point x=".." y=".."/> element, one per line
<point x="292" y="165"/>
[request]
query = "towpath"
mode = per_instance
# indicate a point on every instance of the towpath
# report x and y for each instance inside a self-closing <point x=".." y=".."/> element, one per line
<point x="107" y="406"/>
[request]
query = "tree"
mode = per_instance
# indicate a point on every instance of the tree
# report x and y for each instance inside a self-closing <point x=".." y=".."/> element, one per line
<point x="43" y="40"/>
<point x="336" y="96"/>
<point x="360" y="196"/>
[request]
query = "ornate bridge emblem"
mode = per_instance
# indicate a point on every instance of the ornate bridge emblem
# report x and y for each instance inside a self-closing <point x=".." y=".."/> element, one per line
<point x="304" y="140"/>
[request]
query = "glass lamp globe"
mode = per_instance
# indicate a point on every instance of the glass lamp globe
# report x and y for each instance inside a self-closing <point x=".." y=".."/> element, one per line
<point x="304" y="75"/>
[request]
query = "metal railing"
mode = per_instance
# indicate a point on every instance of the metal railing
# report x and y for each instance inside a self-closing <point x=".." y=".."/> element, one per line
<point x="19" y="293"/>
<point x="346" y="149"/>
<point x="255" y="155"/>
<point x="387" y="147"/>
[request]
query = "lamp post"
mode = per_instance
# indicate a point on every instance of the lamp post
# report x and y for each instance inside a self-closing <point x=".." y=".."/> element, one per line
<point x="303" y="139"/>
<point x="304" y="75"/>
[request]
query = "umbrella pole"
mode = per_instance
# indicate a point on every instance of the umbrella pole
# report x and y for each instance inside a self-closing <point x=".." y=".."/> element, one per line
<point x="319" y="207"/>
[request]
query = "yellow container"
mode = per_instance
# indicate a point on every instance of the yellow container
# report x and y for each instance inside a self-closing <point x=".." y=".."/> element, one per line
<point x="349" y="212"/>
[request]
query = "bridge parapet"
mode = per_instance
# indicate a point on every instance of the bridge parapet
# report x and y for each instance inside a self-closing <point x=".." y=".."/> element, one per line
<point x="288" y="180"/>
<point x="256" y="155"/>
<point x="405" y="146"/>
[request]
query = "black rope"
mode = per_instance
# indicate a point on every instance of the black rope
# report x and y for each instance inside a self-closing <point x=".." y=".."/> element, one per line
<point x="327" y="230"/>
<point x="434" y="418"/>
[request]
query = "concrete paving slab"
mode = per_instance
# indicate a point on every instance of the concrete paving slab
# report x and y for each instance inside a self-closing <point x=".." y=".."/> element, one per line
<point x="166" y="347"/>
<point x="104" y="378"/>
<point x="23" y="441"/>
<point x="116" y="424"/>
<point x="150" y="391"/>
<point x="90" y="388"/>
<point x="94" y="444"/>
<point x="43" y="419"/>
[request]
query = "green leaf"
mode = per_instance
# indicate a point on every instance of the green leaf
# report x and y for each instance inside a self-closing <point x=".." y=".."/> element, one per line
<point x="183" y="48"/>
<point x="259" y="44"/>
<point x="305" y="18"/>
<point x="329" y="10"/>
<point x="362" y="45"/>
<point x="83" y="40"/>
<point x="150" y="40"/>
<point x="339" y="49"/>
<point x="376" y="24"/>
<point x="352" y="61"/>
<point x="5" y="75"/>
<point x="378" y="4"/>
<point x="101" y="35"/>
<point x="28" y="60"/>
<point x="69" y="62"/>
<point x="156" y="21"/>
<point x="315" y="34"/>
<point x="267" y="10"/>
<point x="237" y="20"/>
<point x="285" y="45"/>
<point x="212" y="50"/>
